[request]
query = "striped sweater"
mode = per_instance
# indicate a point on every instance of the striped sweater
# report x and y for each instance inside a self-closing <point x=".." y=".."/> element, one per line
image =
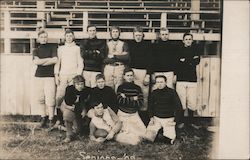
<point x="129" y="97"/>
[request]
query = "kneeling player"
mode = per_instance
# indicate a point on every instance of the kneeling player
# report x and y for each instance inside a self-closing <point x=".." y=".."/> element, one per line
<point x="74" y="106"/>
<point x="165" y="110"/>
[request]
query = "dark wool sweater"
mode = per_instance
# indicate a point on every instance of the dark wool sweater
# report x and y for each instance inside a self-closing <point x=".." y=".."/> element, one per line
<point x="93" y="52"/>
<point x="165" y="103"/>
<point x="128" y="104"/>
<point x="106" y="96"/>
<point x="45" y="51"/>
<point x="71" y="96"/>
<point x="186" y="71"/>
<point x="164" y="56"/>
<point x="140" y="55"/>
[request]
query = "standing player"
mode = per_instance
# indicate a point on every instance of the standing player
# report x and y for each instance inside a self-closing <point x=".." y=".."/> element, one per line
<point x="70" y="64"/>
<point x="164" y="58"/>
<point x="117" y="58"/>
<point x="45" y="57"/>
<point x="93" y="51"/>
<point x="140" y="57"/>
<point x="186" y="87"/>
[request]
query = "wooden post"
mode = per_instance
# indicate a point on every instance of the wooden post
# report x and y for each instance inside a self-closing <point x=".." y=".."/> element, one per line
<point x="7" y="43"/>
<point x="40" y="15"/>
<point x="85" y="19"/>
<point x="195" y="6"/>
<point x="163" y="20"/>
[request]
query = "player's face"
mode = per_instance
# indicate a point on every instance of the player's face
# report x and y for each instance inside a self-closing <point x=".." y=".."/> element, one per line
<point x="188" y="40"/>
<point x="43" y="38"/>
<point x="160" y="83"/>
<point x="129" y="76"/>
<point x="100" y="83"/>
<point x="164" y="35"/>
<point x="99" y="109"/>
<point x="69" y="37"/>
<point x="138" y="36"/>
<point x="115" y="34"/>
<point x="79" y="86"/>
<point x="92" y="32"/>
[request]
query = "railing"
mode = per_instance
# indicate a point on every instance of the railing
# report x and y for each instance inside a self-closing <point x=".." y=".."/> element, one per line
<point x="18" y="20"/>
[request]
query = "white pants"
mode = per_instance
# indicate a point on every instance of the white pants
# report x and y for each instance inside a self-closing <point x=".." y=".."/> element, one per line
<point x="169" y="76"/>
<point x="113" y="75"/>
<point x="139" y="75"/>
<point x="45" y="92"/>
<point x="133" y="129"/>
<point x="65" y="80"/>
<point x="90" y="78"/>
<point x="157" y="123"/>
<point x="187" y="92"/>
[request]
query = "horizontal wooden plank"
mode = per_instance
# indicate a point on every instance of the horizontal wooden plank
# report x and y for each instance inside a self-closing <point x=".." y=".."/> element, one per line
<point x="59" y="33"/>
<point x="106" y="10"/>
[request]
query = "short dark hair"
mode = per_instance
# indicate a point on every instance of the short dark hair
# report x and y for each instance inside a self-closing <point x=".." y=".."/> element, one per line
<point x="164" y="29"/>
<point x="90" y="26"/>
<point x="127" y="69"/>
<point x="42" y="31"/>
<point x="161" y="76"/>
<point x="187" y="34"/>
<point x="137" y="29"/>
<point x="68" y="31"/>
<point x="78" y="79"/>
<point x="99" y="76"/>
<point x="96" y="102"/>
<point x="115" y="27"/>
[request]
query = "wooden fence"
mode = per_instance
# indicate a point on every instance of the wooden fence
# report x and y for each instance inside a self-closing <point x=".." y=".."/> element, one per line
<point x="17" y="73"/>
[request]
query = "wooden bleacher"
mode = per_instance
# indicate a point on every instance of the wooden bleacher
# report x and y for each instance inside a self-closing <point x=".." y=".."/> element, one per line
<point x="176" y="22"/>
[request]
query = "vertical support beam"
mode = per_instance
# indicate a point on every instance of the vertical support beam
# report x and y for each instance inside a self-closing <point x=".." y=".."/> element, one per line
<point x="32" y="45"/>
<point x="85" y="19"/>
<point x="163" y="19"/>
<point x="7" y="43"/>
<point x="195" y="6"/>
<point x="40" y="15"/>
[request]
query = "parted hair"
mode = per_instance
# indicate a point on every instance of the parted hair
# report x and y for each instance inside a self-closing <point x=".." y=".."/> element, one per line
<point x="78" y="79"/>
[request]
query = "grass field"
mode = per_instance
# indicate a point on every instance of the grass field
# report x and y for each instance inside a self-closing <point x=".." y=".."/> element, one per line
<point x="19" y="141"/>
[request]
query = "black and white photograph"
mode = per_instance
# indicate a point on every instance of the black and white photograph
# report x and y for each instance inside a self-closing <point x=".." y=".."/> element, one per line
<point x="123" y="79"/>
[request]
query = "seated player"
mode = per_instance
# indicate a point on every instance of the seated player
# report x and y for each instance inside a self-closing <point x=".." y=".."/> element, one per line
<point x="104" y="124"/>
<point x="165" y="110"/>
<point x="74" y="106"/>
<point x="105" y="94"/>
<point x="130" y="100"/>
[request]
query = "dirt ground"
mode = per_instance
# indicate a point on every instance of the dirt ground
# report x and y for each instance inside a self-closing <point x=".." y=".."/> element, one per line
<point x="22" y="141"/>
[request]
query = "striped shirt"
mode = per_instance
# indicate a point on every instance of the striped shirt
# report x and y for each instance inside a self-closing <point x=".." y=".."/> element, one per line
<point x="129" y="97"/>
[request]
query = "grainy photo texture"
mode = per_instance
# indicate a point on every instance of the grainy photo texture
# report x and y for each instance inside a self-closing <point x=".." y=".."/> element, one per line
<point x="110" y="79"/>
